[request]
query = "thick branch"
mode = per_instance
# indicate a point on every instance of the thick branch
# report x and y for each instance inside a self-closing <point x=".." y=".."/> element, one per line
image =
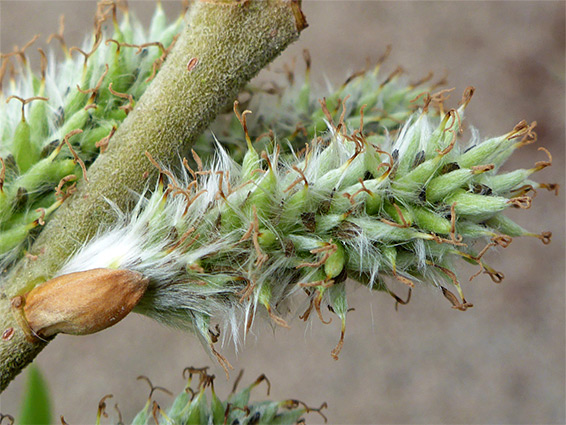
<point x="225" y="44"/>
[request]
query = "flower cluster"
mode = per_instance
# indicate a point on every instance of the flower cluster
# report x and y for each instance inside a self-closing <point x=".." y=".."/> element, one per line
<point x="289" y="109"/>
<point x="225" y="242"/>
<point x="53" y="124"/>
<point x="192" y="407"/>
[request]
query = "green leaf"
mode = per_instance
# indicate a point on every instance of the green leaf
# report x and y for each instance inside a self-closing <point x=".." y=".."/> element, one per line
<point x="36" y="407"/>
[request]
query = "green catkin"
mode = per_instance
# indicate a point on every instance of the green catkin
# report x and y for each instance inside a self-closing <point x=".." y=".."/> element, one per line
<point x="296" y="123"/>
<point x="59" y="107"/>
<point x="344" y="208"/>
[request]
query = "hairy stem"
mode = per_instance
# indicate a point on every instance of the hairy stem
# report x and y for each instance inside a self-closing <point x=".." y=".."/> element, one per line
<point x="224" y="45"/>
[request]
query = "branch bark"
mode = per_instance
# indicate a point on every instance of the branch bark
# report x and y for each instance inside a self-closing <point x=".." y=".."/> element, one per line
<point x="225" y="44"/>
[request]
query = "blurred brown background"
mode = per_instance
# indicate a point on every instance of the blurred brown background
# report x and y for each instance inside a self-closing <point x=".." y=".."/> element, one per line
<point x="501" y="362"/>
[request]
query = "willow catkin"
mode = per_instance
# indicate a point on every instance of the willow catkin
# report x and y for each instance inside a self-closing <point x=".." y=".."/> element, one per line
<point x="224" y="242"/>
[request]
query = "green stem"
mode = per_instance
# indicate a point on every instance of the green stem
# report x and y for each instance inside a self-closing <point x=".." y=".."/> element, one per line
<point x="230" y="42"/>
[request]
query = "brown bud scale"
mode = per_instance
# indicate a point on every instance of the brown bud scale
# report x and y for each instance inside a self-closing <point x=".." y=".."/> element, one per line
<point x="84" y="302"/>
